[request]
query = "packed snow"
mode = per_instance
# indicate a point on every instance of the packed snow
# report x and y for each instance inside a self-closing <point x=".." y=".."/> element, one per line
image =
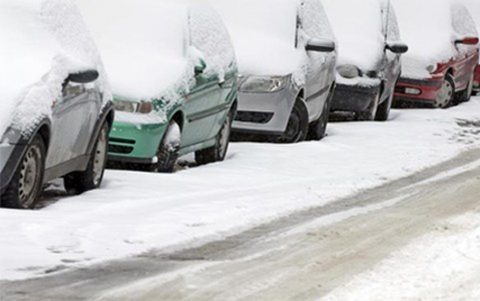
<point x="430" y="37"/>
<point x="138" y="212"/>
<point x="41" y="43"/>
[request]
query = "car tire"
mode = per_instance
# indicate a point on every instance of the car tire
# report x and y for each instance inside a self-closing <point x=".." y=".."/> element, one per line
<point x="446" y="95"/>
<point x="467" y="94"/>
<point x="297" y="127"/>
<point x="318" y="129"/>
<point x="168" y="150"/>
<point x="81" y="181"/>
<point x="371" y="112"/>
<point x="384" y="108"/>
<point x="25" y="187"/>
<point x="219" y="151"/>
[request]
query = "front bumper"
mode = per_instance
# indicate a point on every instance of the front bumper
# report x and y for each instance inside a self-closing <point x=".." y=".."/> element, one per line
<point x="135" y="143"/>
<point x="353" y="98"/>
<point x="265" y="113"/>
<point x="421" y="90"/>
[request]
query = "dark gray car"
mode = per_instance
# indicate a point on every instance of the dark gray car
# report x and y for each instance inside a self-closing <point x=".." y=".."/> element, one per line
<point x="57" y="109"/>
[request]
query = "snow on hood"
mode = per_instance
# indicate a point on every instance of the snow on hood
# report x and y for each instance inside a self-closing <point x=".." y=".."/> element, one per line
<point x="150" y="47"/>
<point x="358" y="28"/>
<point x="263" y="33"/>
<point x="42" y="41"/>
<point x="430" y="37"/>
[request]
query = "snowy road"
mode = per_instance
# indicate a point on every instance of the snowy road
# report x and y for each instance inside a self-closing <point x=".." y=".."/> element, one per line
<point x="418" y="237"/>
<point x="138" y="214"/>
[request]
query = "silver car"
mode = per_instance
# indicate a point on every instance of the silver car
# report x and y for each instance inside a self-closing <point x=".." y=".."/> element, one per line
<point x="56" y="111"/>
<point x="286" y="54"/>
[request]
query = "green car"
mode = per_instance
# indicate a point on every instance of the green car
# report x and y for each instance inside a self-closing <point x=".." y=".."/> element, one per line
<point x="174" y="77"/>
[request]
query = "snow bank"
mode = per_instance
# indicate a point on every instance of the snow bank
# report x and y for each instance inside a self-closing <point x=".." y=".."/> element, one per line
<point x="41" y="43"/>
<point x="430" y="36"/>
<point x="138" y="212"/>
<point x="358" y="28"/>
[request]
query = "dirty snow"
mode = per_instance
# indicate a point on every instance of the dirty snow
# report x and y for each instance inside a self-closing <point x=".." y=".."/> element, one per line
<point x="41" y="43"/>
<point x="447" y="21"/>
<point x="137" y="212"/>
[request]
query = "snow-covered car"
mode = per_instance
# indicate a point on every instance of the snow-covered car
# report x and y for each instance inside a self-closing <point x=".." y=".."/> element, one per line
<point x="286" y="57"/>
<point x="173" y="74"/>
<point x="55" y="108"/>
<point x="439" y="69"/>
<point x="369" y="49"/>
<point x="474" y="8"/>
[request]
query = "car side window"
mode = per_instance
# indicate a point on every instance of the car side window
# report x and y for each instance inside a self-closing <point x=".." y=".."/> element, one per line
<point x="71" y="90"/>
<point x="390" y="29"/>
<point x="209" y="36"/>
<point x="313" y="20"/>
<point x="462" y="22"/>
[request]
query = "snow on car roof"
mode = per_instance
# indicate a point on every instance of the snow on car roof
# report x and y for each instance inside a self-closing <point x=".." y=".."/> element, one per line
<point x="429" y="30"/>
<point x="142" y="43"/>
<point x="37" y="52"/>
<point x="358" y="28"/>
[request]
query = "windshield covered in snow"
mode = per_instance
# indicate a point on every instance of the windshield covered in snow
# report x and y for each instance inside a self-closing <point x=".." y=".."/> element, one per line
<point x="358" y="28"/>
<point x="430" y="40"/>
<point x="264" y="34"/>
<point x="142" y="43"/>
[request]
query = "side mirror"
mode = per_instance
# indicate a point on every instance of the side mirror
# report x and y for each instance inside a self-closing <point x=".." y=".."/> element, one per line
<point x="200" y="67"/>
<point x="397" y="48"/>
<point x="468" y="41"/>
<point x="83" y="77"/>
<point x="320" y="45"/>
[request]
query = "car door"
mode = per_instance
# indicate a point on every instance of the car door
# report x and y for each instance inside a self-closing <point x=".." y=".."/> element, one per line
<point x="392" y="64"/>
<point x="319" y="67"/>
<point x="73" y="120"/>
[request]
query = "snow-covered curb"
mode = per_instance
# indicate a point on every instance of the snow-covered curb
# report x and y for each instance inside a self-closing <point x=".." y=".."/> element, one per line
<point x="137" y="212"/>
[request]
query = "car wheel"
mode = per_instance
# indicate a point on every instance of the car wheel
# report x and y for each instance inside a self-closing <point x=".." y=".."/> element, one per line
<point x="82" y="181"/>
<point x="168" y="151"/>
<point x="318" y="128"/>
<point x="219" y="151"/>
<point x="446" y="94"/>
<point x="370" y="114"/>
<point x="25" y="187"/>
<point x="297" y="128"/>
<point x="384" y="109"/>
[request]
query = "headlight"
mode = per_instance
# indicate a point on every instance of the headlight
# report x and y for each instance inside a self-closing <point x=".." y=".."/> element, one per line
<point x="264" y="83"/>
<point x="349" y="71"/>
<point x="431" y="68"/>
<point x="143" y="107"/>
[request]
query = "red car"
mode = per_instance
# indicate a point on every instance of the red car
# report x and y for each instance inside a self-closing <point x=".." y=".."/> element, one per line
<point x="476" y="81"/>
<point x="438" y="71"/>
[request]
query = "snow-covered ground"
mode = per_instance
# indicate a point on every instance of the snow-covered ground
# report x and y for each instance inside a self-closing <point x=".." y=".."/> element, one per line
<point x="137" y="212"/>
<point x="444" y="265"/>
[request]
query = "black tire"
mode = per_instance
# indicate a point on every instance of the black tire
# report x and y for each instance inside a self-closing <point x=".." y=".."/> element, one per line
<point x="217" y="152"/>
<point x="318" y="129"/>
<point x="384" y="108"/>
<point x="446" y="96"/>
<point x="371" y="112"/>
<point x="297" y="128"/>
<point x="467" y="94"/>
<point x="81" y="181"/>
<point x="167" y="152"/>
<point x="20" y="193"/>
